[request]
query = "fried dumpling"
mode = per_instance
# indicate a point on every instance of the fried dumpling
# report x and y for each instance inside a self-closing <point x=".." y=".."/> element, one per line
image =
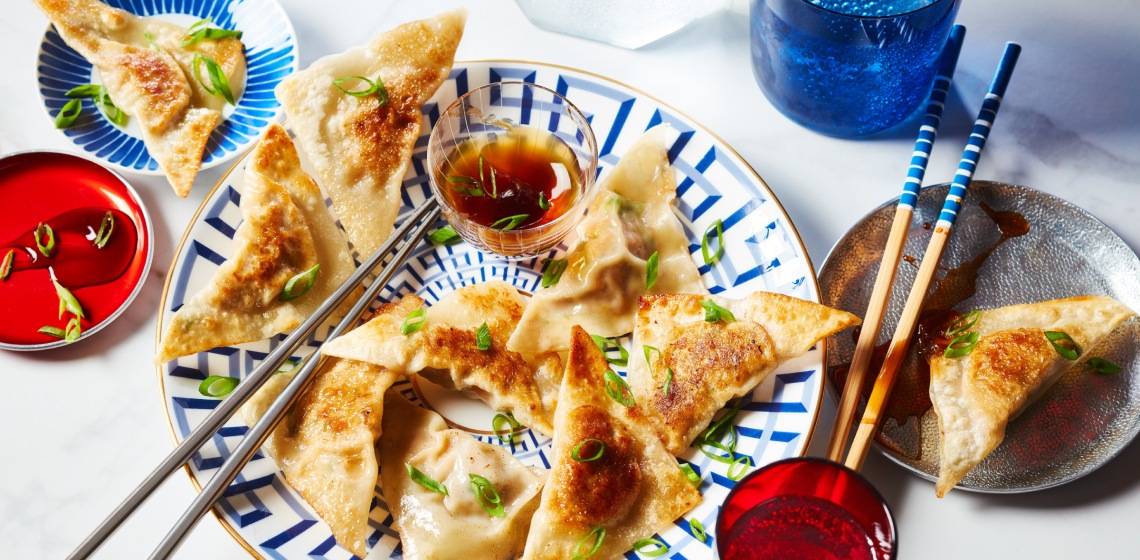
<point x="630" y="219"/>
<point x="444" y="349"/>
<point x="285" y="231"/>
<point x="633" y="490"/>
<point x="705" y="364"/>
<point x="326" y="445"/>
<point x="1011" y="365"/>
<point x="456" y="526"/>
<point x="359" y="147"/>
<point x="151" y="79"/>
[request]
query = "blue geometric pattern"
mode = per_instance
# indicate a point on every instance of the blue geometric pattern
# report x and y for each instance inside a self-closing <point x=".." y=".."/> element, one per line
<point x="762" y="253"/>
<point x="271" y="55"/>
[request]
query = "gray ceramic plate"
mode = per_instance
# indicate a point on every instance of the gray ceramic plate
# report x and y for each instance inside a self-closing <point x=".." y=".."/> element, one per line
<point x="1085" y="419"/>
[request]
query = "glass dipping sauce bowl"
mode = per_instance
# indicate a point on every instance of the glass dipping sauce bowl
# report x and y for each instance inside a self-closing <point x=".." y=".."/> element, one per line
<point x="805" y="508"/>
<point x="490" y="112"/>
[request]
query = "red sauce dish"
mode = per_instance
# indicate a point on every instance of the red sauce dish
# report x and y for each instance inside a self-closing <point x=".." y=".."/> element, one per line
<point x="805" y="508"/>
<point x="74" y="197"/>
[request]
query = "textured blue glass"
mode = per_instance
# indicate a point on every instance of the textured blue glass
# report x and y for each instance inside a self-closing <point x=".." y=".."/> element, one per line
<point x="848" y="75"/>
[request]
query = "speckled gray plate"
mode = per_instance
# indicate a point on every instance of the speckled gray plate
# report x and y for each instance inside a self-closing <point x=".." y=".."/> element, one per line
<point x="1085" y="419"/>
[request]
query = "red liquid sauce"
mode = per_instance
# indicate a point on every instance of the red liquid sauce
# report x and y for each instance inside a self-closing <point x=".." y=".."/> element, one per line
<point x="71" y="195"/>
<point x="798" y="527"/>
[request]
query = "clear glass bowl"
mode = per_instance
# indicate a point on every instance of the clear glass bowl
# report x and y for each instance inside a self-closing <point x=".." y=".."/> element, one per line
<point x="495" y="109"/>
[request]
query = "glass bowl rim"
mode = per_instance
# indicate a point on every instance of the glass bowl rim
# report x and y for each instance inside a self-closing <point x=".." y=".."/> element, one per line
<point x="932" y="4"/>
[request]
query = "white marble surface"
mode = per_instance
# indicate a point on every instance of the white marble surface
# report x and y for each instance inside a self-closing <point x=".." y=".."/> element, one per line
<point x="80" y="426"/>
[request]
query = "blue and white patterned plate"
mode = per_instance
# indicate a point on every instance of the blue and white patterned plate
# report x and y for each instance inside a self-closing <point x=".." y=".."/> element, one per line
<point x="764" y="252"/>
<point x="270" y="52"/>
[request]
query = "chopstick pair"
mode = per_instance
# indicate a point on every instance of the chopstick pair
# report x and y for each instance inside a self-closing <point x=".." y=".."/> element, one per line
<point x="417" y="225"/>
<point x="881" y="292"/>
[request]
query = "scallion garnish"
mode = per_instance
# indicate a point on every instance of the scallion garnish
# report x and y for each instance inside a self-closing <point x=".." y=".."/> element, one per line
<point x="576" y="453"/>
<point x="668" y="380"/>
<point x="376" y="87"/>
<point x="510" y="222"/>
<point x="102" y="100"/>
<point x="598" y="534"/>
<point x="424" y="480"/>
<point x="1103" y="366"/>
<point x="715" y="313"/>
<point x="6" y="265"/>
<point x="413" y="322"/>
<point x="45" y="239"/>
<point x="698" y="530"/>
<point x="553" y="272"/>
<point x="67" y="115"/>
<point x="648" y="351"/>
<point x="543" y="202"/>
<point x="150" y="39"/>
<point x="961" y="345"/>
<point x="445" y="235"/>
<point x="105" y="229"/>
<point x="711" y="437"/>
<point x="690" y="473"/>
<point x="719" y="227"/>
<point x="483" y="337"/>
<point x="483" y="181"/>
<point x="506" y="435"/>
<point x="193" y="34"/>
<point x="744" y="462"/>
<point x="604" y="345"/>
<point x="659" y="548"/>
<point x="219" y="84"/>
<point x="288" y="366"/>
<point x="618" y="389"/>
<point x="1064" y="344"/>
<point x="487" y="495"/>
<point x="651" y="271"/>
<point x="52" y="331"/>
<point x="457" y="181"/>
<point x="73" y="330"/>
<point x="300" y="284"/>
<point x="963" y="323"/>
<point x="217" y="386"/>
<point x="67" y="301"/>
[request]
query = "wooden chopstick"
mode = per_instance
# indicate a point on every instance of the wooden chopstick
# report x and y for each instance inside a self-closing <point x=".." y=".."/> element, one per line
<point x="892" y="252"/>
<point x="885" y="381"/>
<point x="423" y="216"/>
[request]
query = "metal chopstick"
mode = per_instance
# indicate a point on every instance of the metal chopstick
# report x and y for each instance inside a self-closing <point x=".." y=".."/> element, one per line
<point x="218" y="417"/>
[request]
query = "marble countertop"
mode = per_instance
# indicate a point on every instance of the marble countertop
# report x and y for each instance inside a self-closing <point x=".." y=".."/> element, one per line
<point x="83" y="424"/>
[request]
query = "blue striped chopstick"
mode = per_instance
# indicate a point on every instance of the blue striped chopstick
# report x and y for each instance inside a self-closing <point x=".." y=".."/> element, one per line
<point x="897" y="350"/>
<point x="892" y="252"/>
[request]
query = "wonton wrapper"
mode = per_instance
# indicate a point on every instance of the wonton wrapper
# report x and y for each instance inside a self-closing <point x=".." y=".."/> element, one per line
<point x="326" y="445"/>
<point x="1012" y="364"/>
<point x="630" y="218"/>
<point x="634" y="489"/>
<point x="713" y="363"/>
<point x="359" y="148"/>
<point x="444" y="350"/>
<point x="152" y="83"/>
<point x="452" y="527"/>
<point x="285" y="230"/>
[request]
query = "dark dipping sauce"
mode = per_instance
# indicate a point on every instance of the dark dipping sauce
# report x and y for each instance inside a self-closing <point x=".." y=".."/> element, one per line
<point x="71" y="195"/>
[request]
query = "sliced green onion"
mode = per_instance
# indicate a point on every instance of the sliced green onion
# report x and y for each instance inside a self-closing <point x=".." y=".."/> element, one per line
<point x="506" y="435"/>
<point x="6" y="265"/>
<point x="200" y="23"/>
<point x="510" y="222"/>
<point x="729" y="453"/>
<point x="745" y="462"/>
<point x="73" y="330"/>
<point x="543" y="202"/>
<point x="487" y="495"/>
<point x="576" y="452"/>
<point x="698" y="530"/>
<point x="68" y="113"/>
<point x="45" y="239"/>
<point x="598" y="534"/>
<point x="210" y="33"/>
<point x="719" y="227"/>
<point x="413" y="322"/>
<point x="668" y="380"/>
<point x="715" y="313"/>
<point x="374" y="87"/>
<point x="483" y="181"/>
<point x="87" y="90"/>
<point x="690" y="473"/>
<point x="553" y="272"/>
<point x="483" y="337"/>
<point x="961" y="345"/>
<point x="1064" y="344"/>
<point x="651" y="271"/>
<point x="67" y="301"/>
<point x="424" y="480"/>
<point x="712" y="435"/>
<point x="604" y="345"/>
<point x="618" y="389"/>
<point x="150" y="39"/>
<point x="648" y="351"/>
<point x="300" y="284"/>
<point x="1103" y="366"/>
<point x="52" y="331"/>
<point x="963" y="323"/>
<point x="105" y="229"/>
<point x="288" y="366"/>
<point x="445" y="235"/>
<point x="659" y="548"/>
<point x="219" y="84"/>
<point x="457" y="180"/>
<point x="217" y="386"/>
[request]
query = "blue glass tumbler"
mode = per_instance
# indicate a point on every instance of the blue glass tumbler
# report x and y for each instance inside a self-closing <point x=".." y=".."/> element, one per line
<point x="848" y="75"/>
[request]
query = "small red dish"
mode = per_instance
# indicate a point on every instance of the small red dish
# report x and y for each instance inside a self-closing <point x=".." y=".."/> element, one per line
<point x="72" y="195"/>
<point x="805" y="508"/>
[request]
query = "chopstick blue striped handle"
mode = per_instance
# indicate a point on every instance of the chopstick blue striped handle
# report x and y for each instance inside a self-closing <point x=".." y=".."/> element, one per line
<point x="929" y="129"/>
<point x="982" y="126"/>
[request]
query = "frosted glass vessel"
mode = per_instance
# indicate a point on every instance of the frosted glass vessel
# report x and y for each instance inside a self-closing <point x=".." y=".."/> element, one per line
<point x="625" y="23"/>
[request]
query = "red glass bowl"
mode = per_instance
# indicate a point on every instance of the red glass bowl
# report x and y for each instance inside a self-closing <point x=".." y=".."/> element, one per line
<point x="805" y="508"/>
